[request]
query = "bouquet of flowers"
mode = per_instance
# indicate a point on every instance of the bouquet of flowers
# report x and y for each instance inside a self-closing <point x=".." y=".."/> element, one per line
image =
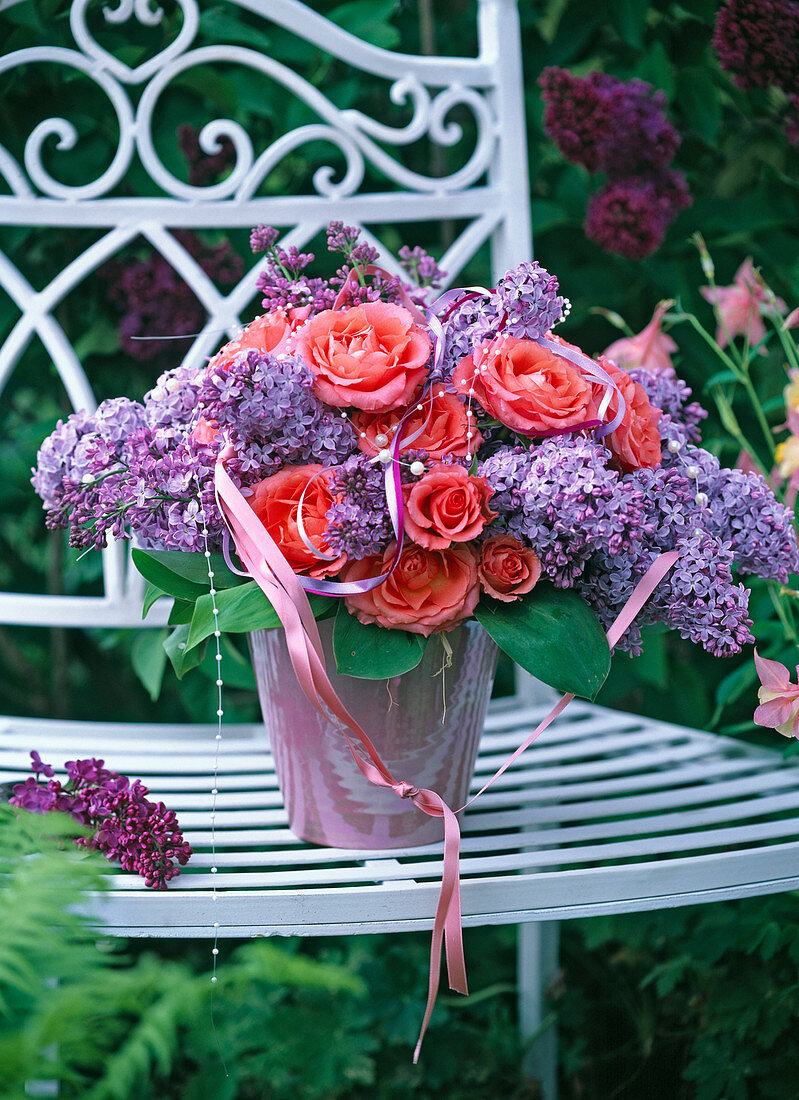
<point x="425" y="469"/>
<point x="404" y="468"/>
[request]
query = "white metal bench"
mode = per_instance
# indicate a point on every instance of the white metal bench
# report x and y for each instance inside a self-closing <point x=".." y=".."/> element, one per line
<point x="609" y="812"/>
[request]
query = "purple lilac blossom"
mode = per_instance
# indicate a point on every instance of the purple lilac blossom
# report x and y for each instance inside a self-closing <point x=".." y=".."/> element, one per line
<point x="358" y="523"/>
<point x="143" y="836"/>
<point x="140" y="475"/>
<point x="268" y="410"/>
<point x="173" y="398"/>
<point x="529" y="299"/>
<point x="421" y="268"/>
<point x="285" y="285"/>
<point x="57" y="458"/>
<point x="757" y="42"/>
<point x="606" y="124"/>
<point x="469" y="324"/>
<point x="204" y="167"/>
<point x="628" y="218"/>
<point x="565" y="501"/>
<point x="698" y="597"/>
<point x="680" y="418"/>
<point x="742" y="511"/>
<point x="155" y="301"/>
<point x="81" y="448"/>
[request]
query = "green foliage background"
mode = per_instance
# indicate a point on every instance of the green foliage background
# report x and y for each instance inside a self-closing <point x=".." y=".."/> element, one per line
<point x="692" y="1003"/>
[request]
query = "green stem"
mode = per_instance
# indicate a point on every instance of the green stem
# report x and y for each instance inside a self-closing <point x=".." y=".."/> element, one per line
<point x="768" y="435"/>
<point x="741" y="372"/>
<point x="730" y="422"/>
<point x="719" y="351"/>
<point x="787" y="626"/>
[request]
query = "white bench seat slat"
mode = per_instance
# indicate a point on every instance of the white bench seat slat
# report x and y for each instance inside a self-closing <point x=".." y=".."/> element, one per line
<point x="599" y="797"/>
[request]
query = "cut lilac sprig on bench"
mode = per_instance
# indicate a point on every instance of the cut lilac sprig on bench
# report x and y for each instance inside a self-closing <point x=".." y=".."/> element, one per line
<point x="143" y="836"/>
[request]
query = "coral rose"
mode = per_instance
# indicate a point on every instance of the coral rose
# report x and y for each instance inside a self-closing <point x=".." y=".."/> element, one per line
<point x="524" y="385"/>
<point x="275" y="501"/>
<point x="443" y="423"/>
<point x="270" y="332"/>
<point x="507" y="568"/>
<point x="371" y="356"/>
<point x="446" y="505"/>
<point x="429" y="591"/>
<point x="636" y="442"/>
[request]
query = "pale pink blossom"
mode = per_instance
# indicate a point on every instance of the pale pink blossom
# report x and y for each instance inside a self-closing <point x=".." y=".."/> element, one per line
<point x="740" y="307"/>
<point x="778" y="697"/>
<point x="792" y="320"/>
<point x="651" y="348"/>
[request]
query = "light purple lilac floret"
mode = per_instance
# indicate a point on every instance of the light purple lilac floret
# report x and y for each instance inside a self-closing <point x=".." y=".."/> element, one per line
<point x="267" y="408"/>
<point x="566" y="501"/>
<point x="359" y="523"/>
<point x="476" y="319"/>
<point x="742" y="510"/>
<point x="681" y="417"/>
<point x="143" y="836"/>
<point x="528" y="296"/>
<point x="173" y="398"/>
<point x="698" y="597"/>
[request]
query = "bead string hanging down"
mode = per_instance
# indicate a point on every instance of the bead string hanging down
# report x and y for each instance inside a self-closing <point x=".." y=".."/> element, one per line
<point x="217" y="635"/>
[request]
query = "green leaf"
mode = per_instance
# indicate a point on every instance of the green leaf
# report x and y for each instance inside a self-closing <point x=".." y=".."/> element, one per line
<point x="241" y="609"/>
<point x="552" y="634"/>
<point x="700" y="102"/>
<point x="101" y="337"/>
<point x="656" y="68"/>
<point x="191" y="567"/>
<point x="152" y="594"/>
<point x="182" y="611"/>
<point x="181" y="657"/>
<point x="369" y="20"/>
<point x="236" y="668"/>
<point x="170" y="582"/>
<point x="148" y="658"/>
<point x="720" y="378"/>
<point x="629" y="18"/>
<point x="372" y="652"/>
<point x="223" y="26"/>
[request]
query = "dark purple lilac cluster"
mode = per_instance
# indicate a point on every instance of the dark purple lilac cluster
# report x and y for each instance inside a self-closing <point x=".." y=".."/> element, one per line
<point x="266" y="407"/>
<point x="154" y="301"/>
<point x="204" y="167"/>
<point x="565" y="500"/>
<point x="143" y="836"/>
<point x="757" y="42"/>
<point x="620" y="129"/>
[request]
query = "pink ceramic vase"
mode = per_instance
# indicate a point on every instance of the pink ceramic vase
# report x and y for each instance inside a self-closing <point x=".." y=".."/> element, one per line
<point x="426" y="725"/>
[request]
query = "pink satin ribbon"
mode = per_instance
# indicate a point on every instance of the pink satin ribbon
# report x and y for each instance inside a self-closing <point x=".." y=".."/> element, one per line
<point x="263" y="559"/>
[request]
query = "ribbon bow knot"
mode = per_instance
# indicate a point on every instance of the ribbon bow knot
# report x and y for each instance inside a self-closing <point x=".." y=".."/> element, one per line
<point x="405" y="790"/>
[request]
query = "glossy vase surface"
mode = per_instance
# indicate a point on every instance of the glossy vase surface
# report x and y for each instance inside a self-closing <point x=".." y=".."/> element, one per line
<point x="426" y="725"/>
